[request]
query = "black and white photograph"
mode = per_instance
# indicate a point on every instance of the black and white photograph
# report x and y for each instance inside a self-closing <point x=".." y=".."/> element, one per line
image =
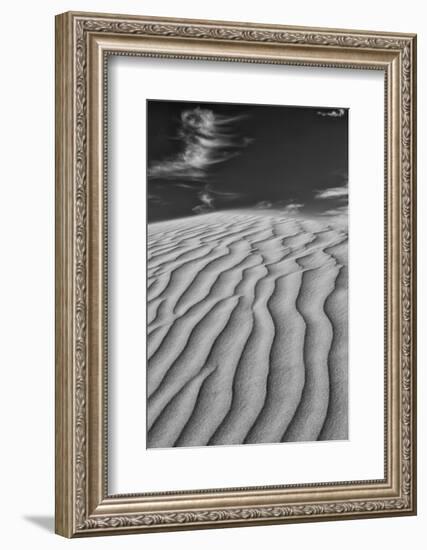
<point x="247" y="283"/>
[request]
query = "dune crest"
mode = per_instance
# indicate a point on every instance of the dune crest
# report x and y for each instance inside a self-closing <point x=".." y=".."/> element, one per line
<point x="247" y="330"/>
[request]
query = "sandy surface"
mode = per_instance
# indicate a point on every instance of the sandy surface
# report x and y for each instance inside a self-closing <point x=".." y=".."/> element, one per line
<point x="247" y="330"/>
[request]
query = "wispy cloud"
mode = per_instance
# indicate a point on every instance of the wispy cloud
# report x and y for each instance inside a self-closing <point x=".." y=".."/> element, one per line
<point x="207" y="203"/>
<point x="293" y="208"/>
<point x="334" y="113"/>
<point x="210" y="197"/>
<point x="332" y="192"/>
<point x="201" y="209"/>
<point x="223" y="195"/>
<point x="264" y="204"/>
<point x="336" y="211"/>
<point x="207" y="139"/>
<point x="207" y="199"/>
<point x="289" y="208"/>
<point x="337" y="216"/>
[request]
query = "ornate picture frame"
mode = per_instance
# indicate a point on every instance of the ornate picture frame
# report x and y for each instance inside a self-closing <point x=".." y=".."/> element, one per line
<point x="84" y="42"/>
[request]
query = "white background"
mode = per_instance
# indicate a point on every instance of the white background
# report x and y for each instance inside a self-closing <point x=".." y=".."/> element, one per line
<point x="27" y="245"/>
<point x="132" y="467"/>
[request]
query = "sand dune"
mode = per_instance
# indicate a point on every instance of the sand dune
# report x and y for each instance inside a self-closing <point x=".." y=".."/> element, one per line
<point x="247" y="330"/>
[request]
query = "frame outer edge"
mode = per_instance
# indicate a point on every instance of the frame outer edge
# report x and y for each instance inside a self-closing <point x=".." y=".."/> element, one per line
<point x="414" y="97"/>
<point x="415" y="265"/>
<point x="233" y="24"/>
<point x="72" y="399"/>
<point x="64" y="237"/>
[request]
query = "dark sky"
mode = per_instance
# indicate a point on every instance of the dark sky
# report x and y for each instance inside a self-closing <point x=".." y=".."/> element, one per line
<point x="203" y="157"/>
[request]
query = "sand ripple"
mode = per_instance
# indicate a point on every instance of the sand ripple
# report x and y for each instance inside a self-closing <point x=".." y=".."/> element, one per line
<point x="247" y="330"/>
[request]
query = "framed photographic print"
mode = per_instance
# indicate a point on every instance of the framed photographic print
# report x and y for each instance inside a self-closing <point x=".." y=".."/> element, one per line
<point x="235" y="274"/>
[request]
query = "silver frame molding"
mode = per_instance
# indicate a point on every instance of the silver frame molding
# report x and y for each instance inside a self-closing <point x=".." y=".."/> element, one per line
<point x="83" y="43"/>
